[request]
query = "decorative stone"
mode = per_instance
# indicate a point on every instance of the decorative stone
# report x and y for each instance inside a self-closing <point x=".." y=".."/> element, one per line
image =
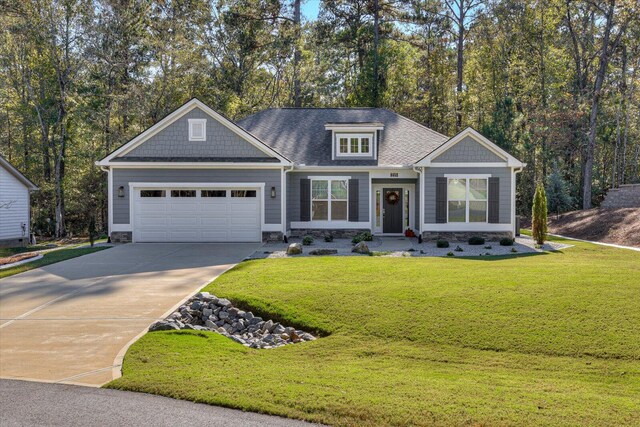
<point x="223" y="302"/>
<point x="360" y="248"/>
<point x="294" y="249"/>
<point x="323" y="252"/>
<point x="163" y="325"/>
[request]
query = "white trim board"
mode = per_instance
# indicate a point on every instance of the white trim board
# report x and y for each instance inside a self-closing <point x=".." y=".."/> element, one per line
<point x="171" y="118"/>
<point x="510" y="161"/>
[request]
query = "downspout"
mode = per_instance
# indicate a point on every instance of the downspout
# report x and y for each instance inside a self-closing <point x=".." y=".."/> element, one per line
<point x="285" y="170"/>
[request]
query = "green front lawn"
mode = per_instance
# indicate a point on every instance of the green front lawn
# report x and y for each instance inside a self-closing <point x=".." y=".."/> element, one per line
<point x="550" y="339"/>
<point x="50" y="258"/>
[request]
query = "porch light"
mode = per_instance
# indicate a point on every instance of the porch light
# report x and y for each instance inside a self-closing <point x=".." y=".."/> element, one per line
<point x="121" y="191"/>
<point x="273" y="192"/>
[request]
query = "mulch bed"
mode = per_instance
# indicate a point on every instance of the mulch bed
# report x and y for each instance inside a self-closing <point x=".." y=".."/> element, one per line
<point x="18" y="257"/>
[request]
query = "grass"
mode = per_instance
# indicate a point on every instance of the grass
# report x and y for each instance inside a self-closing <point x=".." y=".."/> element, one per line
<point x="550" y="339"/>
<point x="50" y="258"/>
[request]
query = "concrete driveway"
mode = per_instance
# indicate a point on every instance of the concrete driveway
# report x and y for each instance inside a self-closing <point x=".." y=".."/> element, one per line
<point x="71" y="322"/>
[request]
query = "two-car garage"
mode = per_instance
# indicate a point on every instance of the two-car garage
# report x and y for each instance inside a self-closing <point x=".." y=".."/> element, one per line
<point x="196" y="213"/>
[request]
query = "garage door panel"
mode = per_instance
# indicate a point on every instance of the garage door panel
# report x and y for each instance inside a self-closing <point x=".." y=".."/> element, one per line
<point x="197" y="219"/>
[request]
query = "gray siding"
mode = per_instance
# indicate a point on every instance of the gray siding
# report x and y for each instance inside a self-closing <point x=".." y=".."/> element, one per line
<point x="293" y="192"/>
<point x="468" y="150"/>
<point x="430" y="189"/>
<point x="271" y="178"/>
<point x="173" y="141"/>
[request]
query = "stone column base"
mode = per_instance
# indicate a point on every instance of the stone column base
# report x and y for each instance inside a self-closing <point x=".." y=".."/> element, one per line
<point x="121" y="237"/>
<point x="319" y="233"/>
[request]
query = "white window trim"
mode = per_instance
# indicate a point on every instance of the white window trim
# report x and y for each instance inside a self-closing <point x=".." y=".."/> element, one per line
<point x="329" y="200"/>
<point x="203" y="122"/>
<point x="466" y="213"/>
<point x="349" y="136"/>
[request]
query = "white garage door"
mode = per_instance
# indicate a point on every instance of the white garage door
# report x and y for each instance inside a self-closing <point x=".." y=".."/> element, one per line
<point x="197" y="215"/>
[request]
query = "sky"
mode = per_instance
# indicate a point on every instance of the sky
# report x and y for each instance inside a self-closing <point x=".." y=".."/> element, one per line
<point x="310" y="9"/>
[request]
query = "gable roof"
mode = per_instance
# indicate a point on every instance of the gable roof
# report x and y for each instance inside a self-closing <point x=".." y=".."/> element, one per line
<point x="300" y="134"/>
<point x="184" y="109"/>
<point x="477" y="136"/>
<point x="15" y="172"/>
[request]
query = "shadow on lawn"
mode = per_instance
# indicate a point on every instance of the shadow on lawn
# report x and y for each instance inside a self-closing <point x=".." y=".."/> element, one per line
<point x="505" y="257"/>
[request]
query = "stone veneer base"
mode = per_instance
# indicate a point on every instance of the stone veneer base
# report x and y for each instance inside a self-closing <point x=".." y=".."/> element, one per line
<point x="320" y="233"/>
<point x="121" y="237"/>
<point x="453" y="236"/>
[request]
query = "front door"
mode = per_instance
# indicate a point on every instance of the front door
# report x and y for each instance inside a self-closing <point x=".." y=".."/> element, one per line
<point x="392" y="215"/>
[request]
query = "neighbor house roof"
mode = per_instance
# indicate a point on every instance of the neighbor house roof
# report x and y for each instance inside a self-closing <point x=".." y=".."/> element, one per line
<point x="300" y="135"/>
<point x="15" y="172"/>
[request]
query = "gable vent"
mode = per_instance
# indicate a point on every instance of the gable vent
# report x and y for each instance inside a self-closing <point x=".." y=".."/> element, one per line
<point x="197" y="129"/>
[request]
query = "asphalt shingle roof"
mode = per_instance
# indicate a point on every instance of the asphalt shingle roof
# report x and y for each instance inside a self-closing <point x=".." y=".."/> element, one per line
<point x="299" y="135"/>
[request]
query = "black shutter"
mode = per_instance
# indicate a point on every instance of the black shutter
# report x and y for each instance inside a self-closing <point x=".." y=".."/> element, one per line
<point x="305" y="199"/>
<point x="354" y="197"/>
<point x="441" y="200"/>
<point x="494" y="200"/>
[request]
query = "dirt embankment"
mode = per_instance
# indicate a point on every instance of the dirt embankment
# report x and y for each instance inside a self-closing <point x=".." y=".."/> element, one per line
<point x="610" y="225"/>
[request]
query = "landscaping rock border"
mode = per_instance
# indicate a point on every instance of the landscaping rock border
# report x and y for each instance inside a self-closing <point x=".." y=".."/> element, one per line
<point x="206" y="312"/>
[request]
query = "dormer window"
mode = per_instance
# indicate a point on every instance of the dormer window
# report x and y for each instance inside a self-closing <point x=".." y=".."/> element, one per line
<point x="354" y="144"/>
<point x="355" y="141"/>
<point x="197" y="129"/>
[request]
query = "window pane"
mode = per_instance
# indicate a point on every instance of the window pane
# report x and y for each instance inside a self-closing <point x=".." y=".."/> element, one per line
<point x="364" y="145"/>
<point x="319" y="190"/>
<point x="344" y="145"/>
<point x="339" y="190"/>
<point x="152" y="193"/>
<point x="477" y="211"/>
<point x="378" y="213"/>
<point x="213" y="193"/>
<point x="183" y="193"/>
<point x="457" y="189"/>
<point x="354" y="145"/>
<point x="319" y="211"/>
<point x="457" y="211"/>
<point x="338" y="210"/>
<point x="477" y="189"/>
<point x="243" y="193"/>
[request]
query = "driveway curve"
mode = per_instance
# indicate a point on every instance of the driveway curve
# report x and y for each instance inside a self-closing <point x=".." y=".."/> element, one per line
<point x="70" y="322"/>
<point x="35" y="404"/>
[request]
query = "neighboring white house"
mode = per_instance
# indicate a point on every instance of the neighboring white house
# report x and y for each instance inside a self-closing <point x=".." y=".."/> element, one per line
<point x="15" y="190"/>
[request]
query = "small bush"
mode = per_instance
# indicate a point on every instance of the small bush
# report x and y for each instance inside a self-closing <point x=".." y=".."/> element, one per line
<point x="442" y="244"/>
<point x="328" y="238"/>
<point x="506" y="241"/>
<point x="514" y="250"/>
<point x="476" y="240"/>
<point x="365" y="236"/>
<point x="488" y="247"/>
<point x="307" y="240"/>
<point x="449" y="253"/>
<point x="458" y="249"/>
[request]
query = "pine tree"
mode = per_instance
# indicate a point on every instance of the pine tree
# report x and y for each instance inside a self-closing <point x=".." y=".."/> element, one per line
<point x="558" y="196"/>
<point x="539" y="215"/>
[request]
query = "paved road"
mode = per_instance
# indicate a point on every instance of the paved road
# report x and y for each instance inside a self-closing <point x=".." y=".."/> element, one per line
<point x="69" y="322"/>
<point x="25" y="403"/>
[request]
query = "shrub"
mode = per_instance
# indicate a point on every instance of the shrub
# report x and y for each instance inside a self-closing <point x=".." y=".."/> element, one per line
<point x="539" y="216"/>
<point x="365" y="236"/>
<point x="307" y="240"/>
<point x="488" y="247"/>
<point x="476" y="240"/>
<point x="506" y="241"/>
<point x="328" y="238"/>
<point x="514" y="250"/>
<point x="442" y="244"/>
<point x="449" y="253"/>
<point x="458" y="249"/>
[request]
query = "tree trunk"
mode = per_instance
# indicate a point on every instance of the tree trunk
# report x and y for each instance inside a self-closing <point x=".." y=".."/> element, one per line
<point x="595" y="103"/>
<point x="376" y="55"/>
<point x="460" y="65"/>
<point x="297" y="100"/>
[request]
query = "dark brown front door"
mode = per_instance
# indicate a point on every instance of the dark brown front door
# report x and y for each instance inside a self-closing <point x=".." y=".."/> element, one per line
<point x="392" y="204"/>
